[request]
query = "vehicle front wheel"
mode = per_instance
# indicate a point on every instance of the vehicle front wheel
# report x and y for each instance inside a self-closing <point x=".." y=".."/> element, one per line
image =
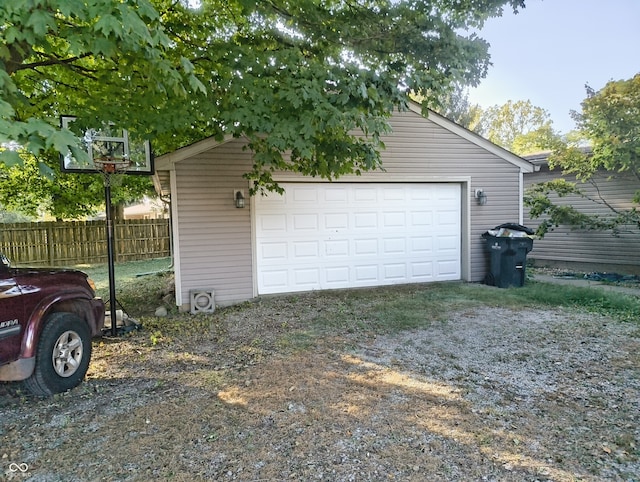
<point x="62" y="356"/>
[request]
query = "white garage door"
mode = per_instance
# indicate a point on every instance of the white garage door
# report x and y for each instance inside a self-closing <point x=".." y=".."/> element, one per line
<point x="325" y="236"/>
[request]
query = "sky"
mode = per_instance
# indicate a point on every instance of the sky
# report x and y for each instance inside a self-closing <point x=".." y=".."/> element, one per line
<point x="552" y="48"/>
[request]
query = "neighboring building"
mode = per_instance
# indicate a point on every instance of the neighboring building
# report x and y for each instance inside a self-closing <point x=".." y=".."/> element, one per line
<point x="583" y="250"/>
<point x="148" y="208"/>
<point x="417" y="221"/>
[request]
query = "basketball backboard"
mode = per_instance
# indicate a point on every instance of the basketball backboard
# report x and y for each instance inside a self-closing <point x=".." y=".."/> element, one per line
<point x="108" y="142"/>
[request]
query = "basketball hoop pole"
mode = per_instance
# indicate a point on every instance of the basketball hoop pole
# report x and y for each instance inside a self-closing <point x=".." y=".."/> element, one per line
<point x="110" y="254"/>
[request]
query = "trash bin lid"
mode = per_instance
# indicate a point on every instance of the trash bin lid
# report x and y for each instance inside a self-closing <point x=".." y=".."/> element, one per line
<point x="516" y="227"/>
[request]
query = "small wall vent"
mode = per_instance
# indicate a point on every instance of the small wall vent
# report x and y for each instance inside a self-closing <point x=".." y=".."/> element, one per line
<point x="202" y="301"/>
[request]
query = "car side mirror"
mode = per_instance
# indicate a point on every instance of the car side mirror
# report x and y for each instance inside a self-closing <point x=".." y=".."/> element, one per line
<point x="4" y="261"/>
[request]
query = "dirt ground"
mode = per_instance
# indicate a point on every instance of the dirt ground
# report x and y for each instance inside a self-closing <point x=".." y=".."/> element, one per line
<point x="489" y="394"/>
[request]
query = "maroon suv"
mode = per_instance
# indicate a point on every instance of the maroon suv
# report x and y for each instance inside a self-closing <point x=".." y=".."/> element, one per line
<point x="47" y="320"/>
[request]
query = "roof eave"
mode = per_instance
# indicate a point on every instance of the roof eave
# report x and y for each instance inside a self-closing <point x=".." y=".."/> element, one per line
<point x="166" y="161"/>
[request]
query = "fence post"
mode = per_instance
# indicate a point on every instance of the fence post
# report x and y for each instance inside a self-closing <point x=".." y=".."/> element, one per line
<point x="50" y="244"/>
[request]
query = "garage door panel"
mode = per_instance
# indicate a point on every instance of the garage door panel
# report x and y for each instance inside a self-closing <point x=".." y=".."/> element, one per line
<point x="448" y="270"/>
<point x="365" y="194"/>
<point x="421" y="245"/>
<point x="337" y="276"/>
<point x="366" y="273"/>
<point x="307" y="277"/>
<point x="336" y="221"/>
<point x="394" y="246"/>
<point x="274" y="251"/>
<point x="321" y="236"/>
<point x="395" y="271"/>
<point x="274" y="281"/>
<point x="274" y="222"/>
<point x="305" y="222"/>
<point x="365" y="247"/>
<point x="422" y="271"/>
<point x="336" y="194"/>
<point x="448" y="219"/>
<point x="421" y="218"/>
<point x="364" y="221"/>
<point x="447" y="244"/>
<point x="420" y="194"/>
<point x="302" y="194"/>
<point x="306" y="249"/>
<point x="336" y="248"/>
<point x="393" y="220"/>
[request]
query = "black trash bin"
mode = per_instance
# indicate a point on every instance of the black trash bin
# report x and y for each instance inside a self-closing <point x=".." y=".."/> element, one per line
<point x="507" y="246"/>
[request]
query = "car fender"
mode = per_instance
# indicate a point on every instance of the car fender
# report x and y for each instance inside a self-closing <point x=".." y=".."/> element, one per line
<point x="91" y="310"/>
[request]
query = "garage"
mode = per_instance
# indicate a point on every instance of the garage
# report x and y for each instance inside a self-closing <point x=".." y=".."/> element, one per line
<point x="343" y="235"/>
<point x="415" y="220"/>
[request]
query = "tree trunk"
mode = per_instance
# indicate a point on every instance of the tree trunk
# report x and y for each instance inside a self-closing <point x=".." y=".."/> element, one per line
<point x="117" y="212"/>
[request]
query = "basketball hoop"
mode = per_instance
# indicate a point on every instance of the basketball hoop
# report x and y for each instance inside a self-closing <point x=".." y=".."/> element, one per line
<point x="112" y="164"/>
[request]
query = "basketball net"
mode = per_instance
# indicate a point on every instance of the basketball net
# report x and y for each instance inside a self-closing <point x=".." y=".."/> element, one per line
<point x="109" y="165"/>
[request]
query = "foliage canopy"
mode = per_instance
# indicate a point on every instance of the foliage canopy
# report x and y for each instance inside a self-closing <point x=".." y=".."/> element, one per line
<point x="518" y="126"/>
<point x="610" y="123"/>
<point x="296" y="76"/>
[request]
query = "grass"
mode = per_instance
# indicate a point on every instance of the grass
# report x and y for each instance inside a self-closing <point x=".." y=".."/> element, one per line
<point x="393" y="309"/>
<point x="125" y="272"/>
<point x="139" y="285"/>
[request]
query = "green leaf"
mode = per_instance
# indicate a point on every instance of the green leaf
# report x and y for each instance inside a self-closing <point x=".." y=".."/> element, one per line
<point x="107" y="25"/>
<point x="61" y="140"/>
<point x="72" y="7"/>
<point x="196" y="85"/>
<point x="10" y="158"/>
<point x="363" y="91"/>
<point x="46" y="171"/>
<point x="103" y="46"/>
<point x="41" y="22"/>
<point x="6" y="110"/>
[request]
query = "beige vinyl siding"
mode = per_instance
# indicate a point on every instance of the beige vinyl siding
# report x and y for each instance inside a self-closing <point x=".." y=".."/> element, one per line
<point x="590" y="250"/>
<point x="214" y="236"/>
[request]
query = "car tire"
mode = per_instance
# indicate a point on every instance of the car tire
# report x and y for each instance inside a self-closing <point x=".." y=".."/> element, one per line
<point x="62" y="356"/>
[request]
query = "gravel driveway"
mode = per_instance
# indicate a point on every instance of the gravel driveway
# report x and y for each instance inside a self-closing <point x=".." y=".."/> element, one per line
<point x="485" y="394"/>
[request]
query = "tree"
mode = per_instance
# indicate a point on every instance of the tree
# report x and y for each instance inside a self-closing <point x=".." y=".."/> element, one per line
<point x="610" y="121"/>
<point x="519" y="127"/>
<point x="454" y="105"/>
<point x="296" y="76"/>
<point x="27" y="190"/>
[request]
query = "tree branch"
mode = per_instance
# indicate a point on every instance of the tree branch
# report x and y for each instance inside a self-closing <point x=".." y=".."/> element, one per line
<point x="54" y="61"/>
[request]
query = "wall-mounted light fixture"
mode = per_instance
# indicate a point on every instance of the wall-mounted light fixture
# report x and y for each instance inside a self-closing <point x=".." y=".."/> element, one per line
<point x="481" y="196"/>
<point x="238" y="196"/>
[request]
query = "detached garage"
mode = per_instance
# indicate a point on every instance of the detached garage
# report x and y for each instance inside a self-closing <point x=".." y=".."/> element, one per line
<point x="418" y="221"/>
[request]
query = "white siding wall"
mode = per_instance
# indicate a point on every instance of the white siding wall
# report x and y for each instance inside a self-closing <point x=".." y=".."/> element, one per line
<point x="215" y="237"/>
<point x="589" y="250"/>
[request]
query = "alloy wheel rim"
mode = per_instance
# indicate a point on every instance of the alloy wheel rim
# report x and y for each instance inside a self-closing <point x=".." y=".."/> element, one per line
<point x="67" y="354"/>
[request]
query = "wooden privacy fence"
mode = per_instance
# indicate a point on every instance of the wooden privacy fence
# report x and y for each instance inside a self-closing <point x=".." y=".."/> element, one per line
<point x="75" y="242"/>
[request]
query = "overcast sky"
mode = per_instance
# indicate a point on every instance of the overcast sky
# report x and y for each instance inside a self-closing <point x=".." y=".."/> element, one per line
<point x="552" y="48"/>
